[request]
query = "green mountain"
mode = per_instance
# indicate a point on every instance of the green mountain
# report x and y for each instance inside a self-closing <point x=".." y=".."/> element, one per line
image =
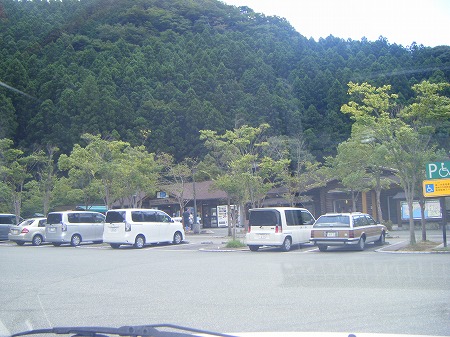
<point x="155" y="72"/>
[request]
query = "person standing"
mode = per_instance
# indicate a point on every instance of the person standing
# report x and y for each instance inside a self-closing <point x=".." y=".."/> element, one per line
<point x="186" y="219"/>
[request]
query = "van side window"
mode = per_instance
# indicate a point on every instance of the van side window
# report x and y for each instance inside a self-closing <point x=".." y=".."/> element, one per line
<point x="86" y="218"/>
<point x="293" y="217"/>
<point x="162" y="217"/>
<point x="307" y="218"/>
<point x="150" y="216"/>
<point x="99" y="218"/>
<point x="72" y="217"/>
<point x="137" y="216"/>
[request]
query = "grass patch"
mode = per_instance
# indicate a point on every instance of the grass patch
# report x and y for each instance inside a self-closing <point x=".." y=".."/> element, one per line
<point x="422" y="246"/>
<point x="235" y="244"/>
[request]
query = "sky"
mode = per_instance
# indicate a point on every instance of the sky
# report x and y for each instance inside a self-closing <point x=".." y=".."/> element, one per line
<point x="402" y="22"/>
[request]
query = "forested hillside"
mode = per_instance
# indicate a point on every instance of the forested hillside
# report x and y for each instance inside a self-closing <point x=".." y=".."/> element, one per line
<point x="155" y="72"/>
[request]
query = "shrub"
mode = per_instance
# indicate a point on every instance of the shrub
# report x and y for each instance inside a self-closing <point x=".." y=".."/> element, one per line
<point x="235" y="244"/>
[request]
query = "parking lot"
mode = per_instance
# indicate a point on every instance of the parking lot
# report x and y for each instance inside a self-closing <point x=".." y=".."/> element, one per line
<point x="195" y="284"/>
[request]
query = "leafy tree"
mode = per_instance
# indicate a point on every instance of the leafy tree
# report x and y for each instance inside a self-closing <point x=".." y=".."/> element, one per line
<point x="238" y="154"/>
<point x="177" y="175"/>
<point x="15" y="171"/>
<point x="8" y="122"/>
<point x="360" y="164"/>
<point x="406" y="133"/>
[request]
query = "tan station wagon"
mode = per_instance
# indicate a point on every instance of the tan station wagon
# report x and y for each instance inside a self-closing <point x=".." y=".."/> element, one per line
<point x="347" y="229"/>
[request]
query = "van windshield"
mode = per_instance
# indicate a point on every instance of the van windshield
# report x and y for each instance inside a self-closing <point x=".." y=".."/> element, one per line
<point x="114" y="217"/>
<point x="264" y="218"/>
<point x="54" y="218"/>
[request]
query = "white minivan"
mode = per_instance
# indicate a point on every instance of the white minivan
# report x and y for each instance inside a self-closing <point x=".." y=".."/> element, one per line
<point x="74" y="227"/>
<point x="139" y="227"/>
<point x="278" y="226"/>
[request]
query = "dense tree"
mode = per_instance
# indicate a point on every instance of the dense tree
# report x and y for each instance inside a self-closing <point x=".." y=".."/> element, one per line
<point x="404" y="133"/>
<point x="122" y="66"/>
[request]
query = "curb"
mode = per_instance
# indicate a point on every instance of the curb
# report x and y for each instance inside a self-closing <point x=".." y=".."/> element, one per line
<point x="384" y="250"/>
<point x="212" y="250"/>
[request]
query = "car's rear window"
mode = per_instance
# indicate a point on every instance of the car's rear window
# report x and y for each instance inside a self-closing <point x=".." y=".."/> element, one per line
<point x="26" y="222"/>
<point x="333" y="221"/>
<point x="7" y="219"/>
<point x="54" y="218"/>
<point x="115" y="216"/>
<point x="264" y="218"/>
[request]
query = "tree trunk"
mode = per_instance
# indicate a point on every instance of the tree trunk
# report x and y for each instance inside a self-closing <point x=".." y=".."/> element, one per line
<point x="423" y="222"/>
<point x="412" y="235"/>
<point x="353" y="202"/>
<point x="229" y="216"/>
<point x="378" y="197"/>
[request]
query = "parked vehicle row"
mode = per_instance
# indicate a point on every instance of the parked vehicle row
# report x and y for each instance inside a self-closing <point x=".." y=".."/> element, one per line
<point x="136" y="227"/>
<point x="285" y="226"/>
<point x="277" y="226"/>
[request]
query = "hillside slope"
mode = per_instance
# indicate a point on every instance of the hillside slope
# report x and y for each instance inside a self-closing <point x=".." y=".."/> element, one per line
<point x="125" y="67"/>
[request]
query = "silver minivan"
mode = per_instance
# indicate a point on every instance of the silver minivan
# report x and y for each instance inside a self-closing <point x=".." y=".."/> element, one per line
<point x="74" y="227"/>
<point x="278" y="226"/>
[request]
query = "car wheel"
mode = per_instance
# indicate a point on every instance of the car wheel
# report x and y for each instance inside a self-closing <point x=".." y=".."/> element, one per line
<point x="253" y="248"/>
<point x="382" y="240"/>
<point x="362" y="243"/>
<point x="75" y="241"/>
<point x="37" y="240"/>
<point x="114" y="245"/>
<point x="286" y="246"/>
<point x="139" y="242"/>
<point x="323" y="248"/>
<point x="20" y="243"/>
<point x="177" y="238"/>
<point x="56" y="244"/>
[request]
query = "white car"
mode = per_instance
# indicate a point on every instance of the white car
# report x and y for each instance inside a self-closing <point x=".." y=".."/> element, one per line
<point x="278" y="226"/>
<point x="139" y="227"/>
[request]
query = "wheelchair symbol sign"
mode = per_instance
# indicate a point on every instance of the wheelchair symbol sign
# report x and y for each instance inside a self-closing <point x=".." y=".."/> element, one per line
<point x="429" y="188"/>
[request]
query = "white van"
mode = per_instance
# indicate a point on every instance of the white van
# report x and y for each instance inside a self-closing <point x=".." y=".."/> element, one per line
<point x="278" y="226"/>
<point x="139" y="227"/>
<point x="74" y="227"/>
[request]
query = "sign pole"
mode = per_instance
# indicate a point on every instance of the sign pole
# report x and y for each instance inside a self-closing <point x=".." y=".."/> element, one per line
<point x="444" y="222"/>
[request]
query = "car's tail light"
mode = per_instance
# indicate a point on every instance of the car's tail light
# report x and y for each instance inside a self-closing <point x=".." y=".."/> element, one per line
<point x="127" y="227"/>
<point x="351" y="234"/>
<point x="249" y="229"/>
<point x="25" y="231"/>
<point x="63" y="227"/>
<point x="278" y="229"/>
<point x="312" y="234"/>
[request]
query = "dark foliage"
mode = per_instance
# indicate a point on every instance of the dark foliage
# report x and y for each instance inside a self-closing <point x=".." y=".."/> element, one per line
<point x="118" y="67"/>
